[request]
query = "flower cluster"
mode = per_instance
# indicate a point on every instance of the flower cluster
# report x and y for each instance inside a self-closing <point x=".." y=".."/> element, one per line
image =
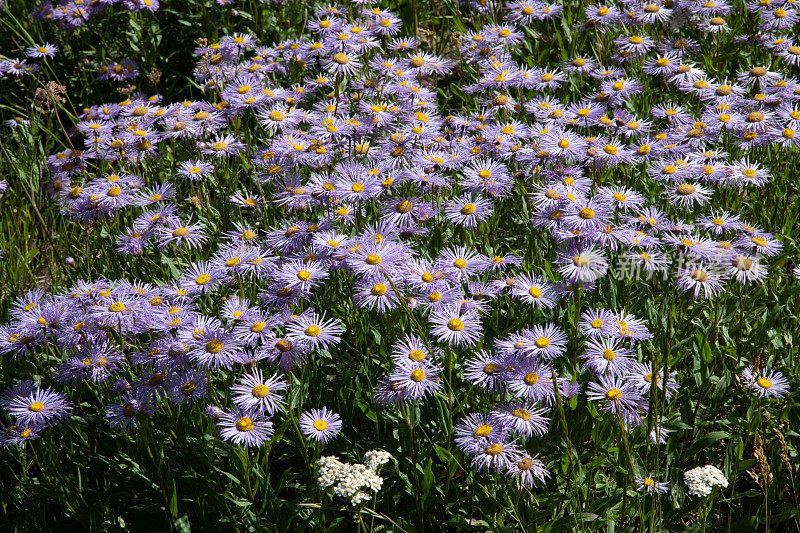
<point x="70" y="15"/>
<point x="349" y="178"/>
<point x="702" y="480"/>
<point x="182" y="346"/>
<point x="352" y="481"/>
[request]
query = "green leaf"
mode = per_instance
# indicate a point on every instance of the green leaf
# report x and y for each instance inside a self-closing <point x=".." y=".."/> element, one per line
<point x="427" y="482"/>
<point x="173" y="501"/>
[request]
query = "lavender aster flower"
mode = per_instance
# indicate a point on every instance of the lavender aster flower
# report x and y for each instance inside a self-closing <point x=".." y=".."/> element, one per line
<point x="765" y="383"/>
<point x="321" y="425"/>
<point x="252" y="393"/>
<point x="245" y="428"/>
<point x="40" y="407"/>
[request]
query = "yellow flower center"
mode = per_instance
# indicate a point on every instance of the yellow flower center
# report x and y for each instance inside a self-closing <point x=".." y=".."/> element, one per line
<point x="542" y="342"/>
<point x="531" y="378"/>
<point x="214" y="346"/>
<point x="378" y="289"/>
<point x="699" y="275"/>
<point x="580" y="261"/>
<point x="244" y="424"/>
<point x="468" y="209"/>
<point x="260" y="391"/>
<point x="614" y="394"/>
<point x="454" y="324"/>
<point x="521" y="413"/>
<point x="494" y="449"/>
<point x="417" y="375"/>
<point x="764" y="383"/>
<point x="313" y="331"/>
<point x="416" y="355"/>
<point x="320" y="425"/>
<point x="36" y="407"/>
<point x="483" y="430"/>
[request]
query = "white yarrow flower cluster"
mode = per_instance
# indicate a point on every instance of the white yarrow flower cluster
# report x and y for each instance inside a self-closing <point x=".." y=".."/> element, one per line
<point x="352" y="481"/>
<point x="702" y="480"/>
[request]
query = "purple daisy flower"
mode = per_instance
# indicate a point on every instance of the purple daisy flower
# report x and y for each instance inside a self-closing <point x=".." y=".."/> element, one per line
<point x="528" y="469"/>
<point x="486" y="370"/>
<point x="467" y="210"/>
<point x="523" y="418"/>
<point x="534" y="290"/>
<point x="177" y="233"/>
<point x="46" y="50"/>
<point x="473" y="432"/>
<point x="617" y="395"/>
<point x="19" y="435"/>
<point x="213" y="348"/>
<point x="40" y="407"/>
<point x="313" y="330"/>
<point x="124" y="414"/>
<point x="582" y="263"/>
<point x="244" y="428"/>
<point x="189" y="386"/>
<point x="254" y="394"/>
<point x="418" y="380"/>
<point x="548" y="342"/>
<point x="648" y="484"/>
<point x="606" y="355"/>
<point x="593" y="321"/>
<point x="497" y="455"/>
<point x="222" y="146"/>
<point x="641" y="375"/>
<point x="321" y="425"/>
<point x="701" y="280"/>
<point x="766" y="383"/>
<point x="532" y="381"/>
<point x="455" y="329"/>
